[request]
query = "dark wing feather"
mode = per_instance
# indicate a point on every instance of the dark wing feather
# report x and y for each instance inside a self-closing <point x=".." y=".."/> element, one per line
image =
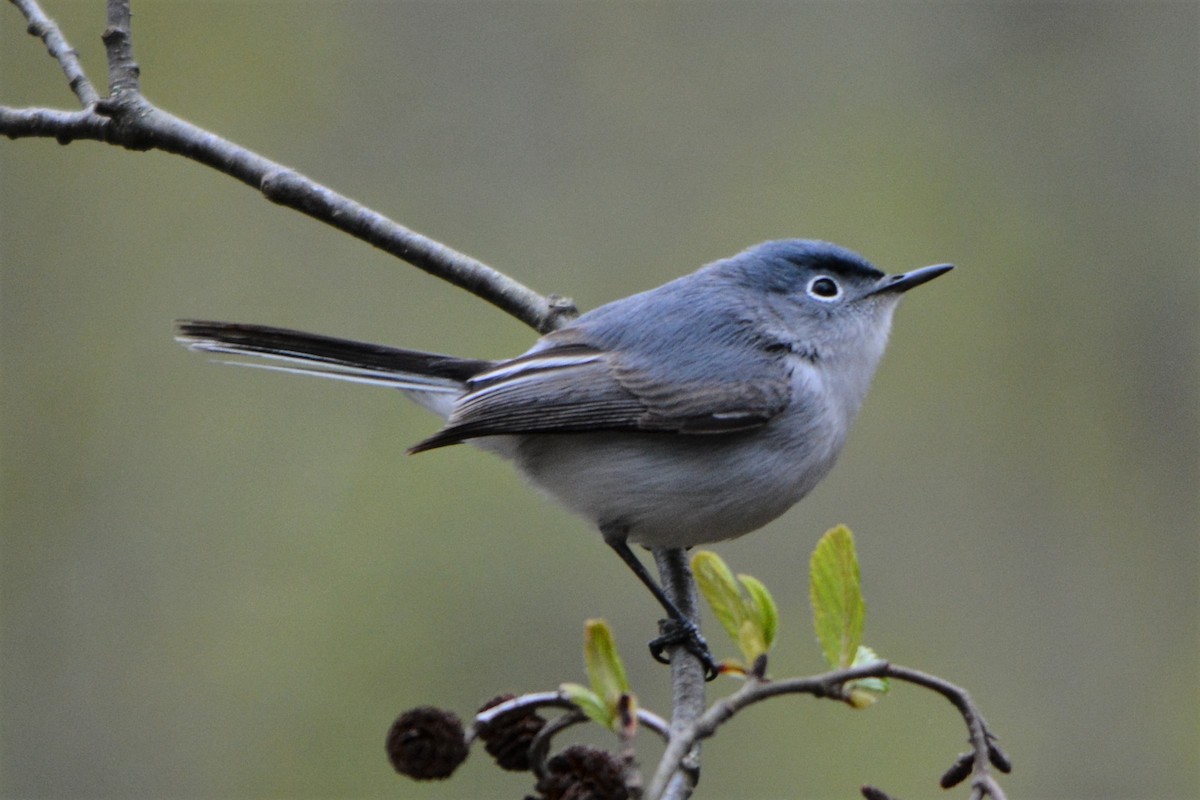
<point x="709" y="407"/>
<point x="570" y="386"/>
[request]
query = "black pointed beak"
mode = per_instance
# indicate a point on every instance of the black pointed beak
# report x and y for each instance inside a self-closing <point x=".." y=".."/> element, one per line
<point x="907" y="280"/>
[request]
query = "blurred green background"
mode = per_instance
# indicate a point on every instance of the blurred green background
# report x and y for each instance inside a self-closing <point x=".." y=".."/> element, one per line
<point x="224" y="583"/>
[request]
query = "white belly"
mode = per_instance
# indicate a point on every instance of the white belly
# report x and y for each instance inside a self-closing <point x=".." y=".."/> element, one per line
<point x="694" y="489"/>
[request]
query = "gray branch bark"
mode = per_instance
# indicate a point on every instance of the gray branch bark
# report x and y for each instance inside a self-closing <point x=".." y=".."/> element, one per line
<point x="985" y="752"/>
<point x="126" y="118"/>
<point x="687" y="674"/>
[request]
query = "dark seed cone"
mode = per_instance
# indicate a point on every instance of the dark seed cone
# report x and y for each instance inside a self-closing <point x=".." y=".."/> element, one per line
<point x="583" y="773"/>
<point x="997" y="757"/>
<point x="426" y="743"/>
<point x="507" y="738"/>
<point x="871" y="793"/>
<point x="958" y="771"/>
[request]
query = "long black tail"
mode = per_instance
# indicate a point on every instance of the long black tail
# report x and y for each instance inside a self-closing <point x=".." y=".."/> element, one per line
<point x="329" y="357"/>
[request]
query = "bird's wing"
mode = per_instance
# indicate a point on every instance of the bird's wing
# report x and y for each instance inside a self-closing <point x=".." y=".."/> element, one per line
<point x="570" y="385"/>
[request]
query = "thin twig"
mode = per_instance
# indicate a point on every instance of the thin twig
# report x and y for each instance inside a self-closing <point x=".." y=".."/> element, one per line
<point x="654" y="722"/>
<point x="526" y="703"/>
<point x="65" y="126"/>
<point x="532" y="702"/>
<point x="67" y="57"/>
<point x="123" y="72"/>
<point x="127" y="119"/>
<point x="687" y="679"/>
<point x="982" y="745"/>
<point x="631" y="773"/>
<point x="832" y="685"/>
<point x="539" y="748"/>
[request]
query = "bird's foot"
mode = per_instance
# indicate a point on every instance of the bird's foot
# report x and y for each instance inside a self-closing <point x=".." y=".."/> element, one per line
<point x="673" y="632"/>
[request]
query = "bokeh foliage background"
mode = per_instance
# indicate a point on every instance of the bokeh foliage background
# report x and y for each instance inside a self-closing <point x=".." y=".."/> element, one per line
<point x="221" y="583"/>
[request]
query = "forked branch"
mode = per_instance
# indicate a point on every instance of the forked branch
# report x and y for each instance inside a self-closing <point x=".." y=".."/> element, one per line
<point x="985" y="752"/>
<point x="126" y="118"/>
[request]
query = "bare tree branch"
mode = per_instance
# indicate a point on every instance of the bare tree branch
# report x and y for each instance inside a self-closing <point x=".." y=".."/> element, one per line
<point x="123" y="72"/>
<point x="47" y="30"/>
<point x="539" y="748"/>
<point x="65" y="126"/>
<point x="687" y="673"/>
<point x="534" y="701"/>
<point x="127" y="119"/>
<point x="834" y="685"/>
<point x="983" y="745"/>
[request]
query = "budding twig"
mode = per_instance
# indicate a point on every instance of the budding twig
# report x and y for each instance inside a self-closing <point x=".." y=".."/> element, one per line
<point x="833" y="685"/>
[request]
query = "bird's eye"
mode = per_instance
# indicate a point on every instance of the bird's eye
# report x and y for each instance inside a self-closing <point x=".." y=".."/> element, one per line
<point x="824" y="288"/>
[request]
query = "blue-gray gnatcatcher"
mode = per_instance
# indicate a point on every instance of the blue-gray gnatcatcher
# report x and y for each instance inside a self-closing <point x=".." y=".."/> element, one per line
<point x="691" y="413"/>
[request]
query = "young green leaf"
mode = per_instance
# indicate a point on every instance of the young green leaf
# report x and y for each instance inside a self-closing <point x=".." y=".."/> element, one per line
<point x="719" y="588"/>
<point x="750" y="641"/>
<point x="837" y="601"/>
<point x="605" y="671"/>
<point x="764" y="609"/>
<point x="862" y="658"/>
<point x="589" y="703"/>
<point x="742" y="605"/>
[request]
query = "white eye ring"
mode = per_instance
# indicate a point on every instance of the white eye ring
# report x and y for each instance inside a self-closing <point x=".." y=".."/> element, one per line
<point x="824" y="289"/>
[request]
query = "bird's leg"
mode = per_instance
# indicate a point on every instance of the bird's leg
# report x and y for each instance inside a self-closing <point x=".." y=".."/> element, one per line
<point x="678" y="629"/>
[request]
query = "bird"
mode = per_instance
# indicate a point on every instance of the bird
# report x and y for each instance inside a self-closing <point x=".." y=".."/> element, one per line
<point x="691" y="413"/>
